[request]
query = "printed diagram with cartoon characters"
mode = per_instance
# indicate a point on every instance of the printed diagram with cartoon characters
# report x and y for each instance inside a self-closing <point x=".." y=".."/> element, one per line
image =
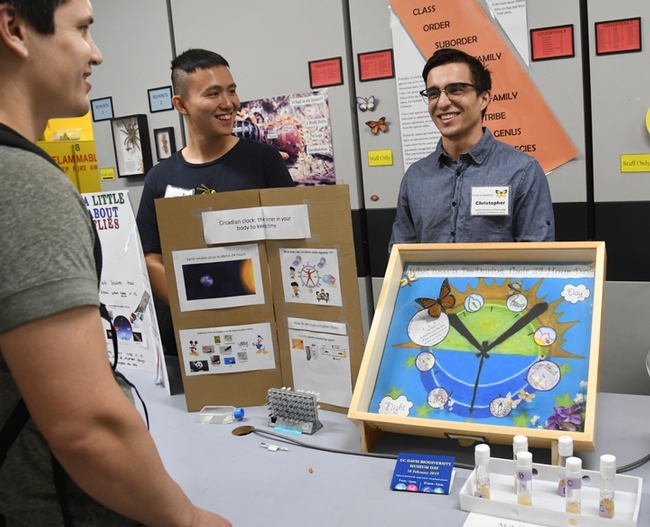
<point x="311" y="276"/>
<point x="228" y="349"/>
<point x="498" y="350"/>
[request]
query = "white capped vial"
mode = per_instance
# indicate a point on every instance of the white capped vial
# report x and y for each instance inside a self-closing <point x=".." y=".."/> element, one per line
<point x="524" y="466"/>
<point x="607" y="485"/>
<point x="565" y="451"/>
<point x="519" y="444"/>
<point x="573" y="485"/>
<point x="482" y="462"/>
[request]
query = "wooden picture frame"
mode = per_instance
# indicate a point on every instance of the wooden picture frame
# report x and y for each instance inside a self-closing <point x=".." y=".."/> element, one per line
<point x="165" y="142"/>
<point x="439" y="363"/>
<point x="131" y="145"/>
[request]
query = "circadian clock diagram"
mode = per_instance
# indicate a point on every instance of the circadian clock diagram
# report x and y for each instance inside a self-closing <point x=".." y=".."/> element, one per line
<point x="505" y="345"/>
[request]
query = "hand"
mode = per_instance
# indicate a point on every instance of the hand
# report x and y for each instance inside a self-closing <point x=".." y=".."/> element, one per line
<point x="203" y="518"/>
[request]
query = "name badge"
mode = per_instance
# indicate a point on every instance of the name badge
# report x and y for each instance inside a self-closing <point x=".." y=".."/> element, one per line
<point x="175" y="192"/>
<point x="490" y="201"/>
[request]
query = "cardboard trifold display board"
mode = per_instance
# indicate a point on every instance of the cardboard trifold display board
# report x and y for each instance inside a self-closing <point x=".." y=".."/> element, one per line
<point x="275" y="304"/>
<point x="485" y="342"/>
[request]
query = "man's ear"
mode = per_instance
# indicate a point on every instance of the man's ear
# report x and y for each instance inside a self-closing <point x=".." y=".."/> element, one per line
<point x="179" y="104"/>
<point x="485" y="97"/>
<point x="13" y="30"/>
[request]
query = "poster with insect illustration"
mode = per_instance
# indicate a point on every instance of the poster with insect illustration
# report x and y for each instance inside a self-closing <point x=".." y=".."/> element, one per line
<point x="493" y="344"/>
<point x="311" y="276"/>
<point x="299" y="127"/>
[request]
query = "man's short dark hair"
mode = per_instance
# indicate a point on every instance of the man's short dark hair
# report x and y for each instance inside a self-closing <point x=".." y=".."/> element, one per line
<point x="481" y="77"/>
<point x="39" y="13"/>
<point x="191" y="60"/>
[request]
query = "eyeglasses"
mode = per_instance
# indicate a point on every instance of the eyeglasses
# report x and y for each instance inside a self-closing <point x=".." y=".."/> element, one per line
<point x="454" y="91"/>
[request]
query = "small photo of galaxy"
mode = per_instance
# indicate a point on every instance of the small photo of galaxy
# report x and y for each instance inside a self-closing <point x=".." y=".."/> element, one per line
<point x="198" y="365"/>
<point x="137" y="336"/>
<point x="122" y="328"/>
<point x="219" y="279"/>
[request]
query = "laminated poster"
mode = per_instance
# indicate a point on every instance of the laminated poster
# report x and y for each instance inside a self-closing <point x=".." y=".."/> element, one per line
<point x="124" y="286"/>
<point x="320" y="362"/>
<point x="311" y="276"/>
<point x="218" y="277"/>
<point x="227" y="349"/>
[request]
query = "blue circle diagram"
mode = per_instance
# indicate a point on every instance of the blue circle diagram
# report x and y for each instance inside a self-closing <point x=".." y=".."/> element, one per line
<point x="123" y="328"/>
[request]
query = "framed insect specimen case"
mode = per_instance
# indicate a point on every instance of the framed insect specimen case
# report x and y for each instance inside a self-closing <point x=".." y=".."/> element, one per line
<point x="132" y="145"/>
<point x="485" y="341"/>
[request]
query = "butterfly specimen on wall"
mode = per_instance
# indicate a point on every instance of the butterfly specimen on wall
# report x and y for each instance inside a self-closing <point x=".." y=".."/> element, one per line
<point x="366" y="103"/>
<point x="435" y="306"/>
<point x="377" y="126"/>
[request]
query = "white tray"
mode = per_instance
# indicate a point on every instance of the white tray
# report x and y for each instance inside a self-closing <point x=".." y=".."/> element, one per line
<point x="548" y="506"/>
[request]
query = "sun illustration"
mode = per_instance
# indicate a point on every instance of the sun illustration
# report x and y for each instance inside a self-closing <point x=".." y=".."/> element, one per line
<point x="492" y="315"/>
<point x="492" y="350"/>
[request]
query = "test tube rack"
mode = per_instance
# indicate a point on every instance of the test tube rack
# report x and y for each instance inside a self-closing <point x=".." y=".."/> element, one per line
<point x="293" y="410"/>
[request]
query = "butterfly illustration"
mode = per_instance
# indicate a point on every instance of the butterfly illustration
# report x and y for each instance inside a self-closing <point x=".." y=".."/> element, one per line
<point x="366" y="103"/>
<point x="515" y="286"/>
<point x="408" y="279"/>
<point x="525" y="396"/>
<point x="512" y="402"/>
<point x="502" y="193"/>
<point x="435" y="306"/>
<point x="377" y="126"/>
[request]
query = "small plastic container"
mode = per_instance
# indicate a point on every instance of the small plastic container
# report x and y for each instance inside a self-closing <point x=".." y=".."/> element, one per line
<point x="573" y="489"/>
<point x="607" y="485"/>
<point x="519" y="444"/>
<point x="482" y="462"/>
<point x="565" y="451"/>
<point x="524" y="468"/>
<point x="220" y="415"/>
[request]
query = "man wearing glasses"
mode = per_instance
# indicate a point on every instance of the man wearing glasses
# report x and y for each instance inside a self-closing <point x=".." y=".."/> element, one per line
<point x="472" y="188"/>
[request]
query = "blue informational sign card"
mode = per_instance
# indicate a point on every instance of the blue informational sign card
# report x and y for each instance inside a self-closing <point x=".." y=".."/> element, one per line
<point x="420" y="473"/>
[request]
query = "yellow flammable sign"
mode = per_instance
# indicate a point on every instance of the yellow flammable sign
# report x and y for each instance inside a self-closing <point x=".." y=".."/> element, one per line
<point x="78" y="160"/>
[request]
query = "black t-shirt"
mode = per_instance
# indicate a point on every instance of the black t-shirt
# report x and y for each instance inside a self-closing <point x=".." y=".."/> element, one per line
<point x="248" y="165"/>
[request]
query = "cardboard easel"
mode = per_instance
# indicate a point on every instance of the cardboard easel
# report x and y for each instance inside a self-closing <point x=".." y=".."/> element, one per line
<point x="181" y="228"/>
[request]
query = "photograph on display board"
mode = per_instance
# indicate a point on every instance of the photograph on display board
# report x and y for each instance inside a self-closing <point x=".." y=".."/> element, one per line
<point x="298" y="126"/>
<point x="311" y="276"/>
<point x="228" y="349"/>
<point x="502" y="344"/>
<point x="218" y="277"/>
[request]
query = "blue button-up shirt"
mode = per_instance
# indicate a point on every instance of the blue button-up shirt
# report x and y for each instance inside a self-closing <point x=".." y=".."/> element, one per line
<point x="435" y="197"/>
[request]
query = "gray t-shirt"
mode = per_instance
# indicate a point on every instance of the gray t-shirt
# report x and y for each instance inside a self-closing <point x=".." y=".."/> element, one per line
<point x="46" y="266"/>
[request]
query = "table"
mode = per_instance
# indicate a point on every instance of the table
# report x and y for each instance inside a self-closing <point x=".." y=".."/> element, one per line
<point x="251" y="486"/>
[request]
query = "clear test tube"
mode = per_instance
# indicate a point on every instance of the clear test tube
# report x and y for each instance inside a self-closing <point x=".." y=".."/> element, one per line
<point x="565" y="451"/>
<point x="524" y="478"/>
<point x="519" y="444"/>
<point x="607" y="485"/>
<point x="573" y="485"/>
<point x="482" y="462"/>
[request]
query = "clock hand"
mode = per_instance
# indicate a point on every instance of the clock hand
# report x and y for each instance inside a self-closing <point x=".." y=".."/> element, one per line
<point x="456" y="323"/>
<point x="521" y="323"/>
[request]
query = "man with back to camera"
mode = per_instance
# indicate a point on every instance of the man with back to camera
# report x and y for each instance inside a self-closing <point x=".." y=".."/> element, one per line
<point x="472" y="188"/>
<point x="214" y="160"/>
<point x="52" y="343"/>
